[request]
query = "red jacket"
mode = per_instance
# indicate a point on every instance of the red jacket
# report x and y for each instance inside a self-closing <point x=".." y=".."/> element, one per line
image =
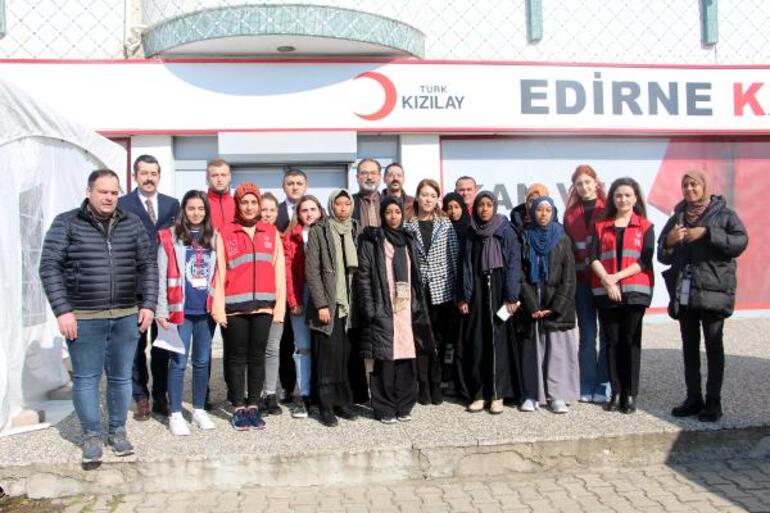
<point x="582" y="236"/>
<point x="250" y="277"/>
<point x="174" y="280"/>
<point x="294" y="252"/>
<point x="222" y="209"/>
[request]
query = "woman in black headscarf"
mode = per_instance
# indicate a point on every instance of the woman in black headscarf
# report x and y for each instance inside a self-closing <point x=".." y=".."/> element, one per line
<point x="490" y="282"/>
<point x="454" y="207"/>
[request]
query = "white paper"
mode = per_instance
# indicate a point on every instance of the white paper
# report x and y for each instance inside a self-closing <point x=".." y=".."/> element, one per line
<point x="503" y="313"/>
<point x="169" y="339"/>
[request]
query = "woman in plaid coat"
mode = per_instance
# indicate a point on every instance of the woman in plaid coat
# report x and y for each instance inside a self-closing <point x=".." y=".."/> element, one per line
<point x="437" y="249"/>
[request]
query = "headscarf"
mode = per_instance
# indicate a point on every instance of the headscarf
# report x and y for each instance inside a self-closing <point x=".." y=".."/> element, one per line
<point x="346" y="262"/>
<point x="461" y="225"/>
<point x="242" y="190"/>
<point x="693" y="211"/>
<point x="542" y="240"/>
<point x="491" y="252"/>
<point x="398" y="238"/>
<point x="535" y="188"/>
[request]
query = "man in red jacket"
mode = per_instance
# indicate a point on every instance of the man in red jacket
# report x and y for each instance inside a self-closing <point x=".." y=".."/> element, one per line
<point x="222" y="205"/>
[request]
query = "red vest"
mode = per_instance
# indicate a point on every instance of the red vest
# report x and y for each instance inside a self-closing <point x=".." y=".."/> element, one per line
<point x="250" y="279"/>
<point x="222" y="209"/>
<point x="581" y="235"/>
<point x="633" y="243"/>
<point x="294" y="251"/>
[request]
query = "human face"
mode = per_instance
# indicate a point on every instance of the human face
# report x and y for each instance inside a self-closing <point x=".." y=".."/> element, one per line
<point x="427" y="199"/>
<point x="269" y="211"/>
<point x="624" y="199"/>
<point x="543" y="213"/>
<point x="147" y="177"/>
<point x="393" y="216"/>
<point x="585" y="186"/>
<point x="368" y="177"/>
<point x="692" y="190"/>
<point x="308" y="212"/>
<point x="195" y="211"/>
<point x="454" y="210"/>
<point x="466" y="189"/>
<point x="103" y="195"/>
<point x="219" y="178"/>
<point x="249" y="207"/>
<point x="394" y="180"/>
<point x="294" y="187"/>
<point x="485" y="210"/>
<point x="342" y="208"/>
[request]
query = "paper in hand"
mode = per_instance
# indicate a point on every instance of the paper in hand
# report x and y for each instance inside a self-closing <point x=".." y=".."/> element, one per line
<point x="503" y="313"/>
<point x="169" y="339"/>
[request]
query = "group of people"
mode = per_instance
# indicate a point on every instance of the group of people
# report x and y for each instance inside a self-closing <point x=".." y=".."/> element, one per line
<point x="379" y="297"/>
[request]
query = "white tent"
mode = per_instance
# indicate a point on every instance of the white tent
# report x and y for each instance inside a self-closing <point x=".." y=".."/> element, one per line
<point x="45" y="160"/>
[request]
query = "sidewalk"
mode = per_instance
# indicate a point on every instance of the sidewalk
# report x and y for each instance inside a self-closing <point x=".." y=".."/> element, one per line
<point x="442" y="441"/>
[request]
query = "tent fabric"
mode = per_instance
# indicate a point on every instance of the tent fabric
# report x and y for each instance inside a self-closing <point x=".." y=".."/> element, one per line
<point x="45" y="160"/>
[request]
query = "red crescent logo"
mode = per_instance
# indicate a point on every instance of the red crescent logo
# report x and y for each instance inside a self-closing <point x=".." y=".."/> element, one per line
<point x="390" y="95"/>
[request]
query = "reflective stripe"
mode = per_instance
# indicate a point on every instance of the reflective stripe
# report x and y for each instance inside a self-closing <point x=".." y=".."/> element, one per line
<point x="599" y="291"/>
<point x="248" y="258"/>
<point x="607" y="255"/>
<point x="589" y="239"/>
<point x="176" y="307"/>
<point x="175" y="282"/>
<point x="643" y="289"/>
<point x="581" y="245"/>
<point x="631" y="253"/>
<point x="243" y="298"/>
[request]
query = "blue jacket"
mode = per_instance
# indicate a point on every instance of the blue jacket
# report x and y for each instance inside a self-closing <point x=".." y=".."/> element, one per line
<point x="509" y="244"/>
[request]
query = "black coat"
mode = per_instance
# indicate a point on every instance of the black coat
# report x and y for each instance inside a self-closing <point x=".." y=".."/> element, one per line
<point x="711" y="259"/>
<point x="511" y="249"/>
<point x="84" y="268"/>
<point x="558" y="292"/>
<point x="376" y="307"/>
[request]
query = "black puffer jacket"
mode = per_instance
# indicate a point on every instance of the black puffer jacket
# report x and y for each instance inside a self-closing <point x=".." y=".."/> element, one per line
<point x="559" y="291"/>
<point x="84" y="268"/>
<point x="711" y="259"/>
<point x="376" y="307"/>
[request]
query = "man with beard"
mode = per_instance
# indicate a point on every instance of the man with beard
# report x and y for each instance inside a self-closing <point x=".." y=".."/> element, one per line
<point x="394" y="186"/>
<point x="221" y="202"/>
<point x="366" y="202"/>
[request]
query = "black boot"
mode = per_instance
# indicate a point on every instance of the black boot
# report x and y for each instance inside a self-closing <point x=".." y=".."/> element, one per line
<point x="613" y="404"/>
<point x="689" y="407"/>
<point x="627" y="404"/>
<point x="345" y="412"/>
<point x="436" y="394"/>
<point x="712" y="412"/>
<point x="424" y="396"/>
<point x="327" y="417"/>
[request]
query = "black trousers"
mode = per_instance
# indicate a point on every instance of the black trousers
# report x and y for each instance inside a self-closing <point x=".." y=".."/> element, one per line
<point x="287" y="372"/>
<point x="690" y="322"/>
<point x="245" y="338"/>
<point x="623" y="328"/>
<point x="140" y="378"/>
<point x="359" y="384"/>
<point x="394" y="388"/>
<point x="430" y="365"/>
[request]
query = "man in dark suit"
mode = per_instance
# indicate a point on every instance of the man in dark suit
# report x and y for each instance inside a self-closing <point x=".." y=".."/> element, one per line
<point x="156" y="211"/>
<point x="294" y="186"/>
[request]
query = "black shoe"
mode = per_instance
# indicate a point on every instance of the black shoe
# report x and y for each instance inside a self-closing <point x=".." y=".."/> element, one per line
<point x="627" y="404"/>
<point x="160" y="406"/>
<point x="613" y="404"/>
<point x="712" y="412"/>
<point x="436" y="394"/>
<point x="328" y="418"/>
<point x="689" y="407"/>
<point x="424" y="395"/>
<point x="270" y="406"/>
<point x="287" y="398"/>
<point x="208" y="406"/>
<point x="345" y="412"/>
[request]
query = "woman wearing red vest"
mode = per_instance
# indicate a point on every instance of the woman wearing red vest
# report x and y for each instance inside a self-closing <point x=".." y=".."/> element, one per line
<point x="622" y="280"/>
<point x="585" y="206"/>
<point x="186" y="264"/>
<point x="250" y="294"/>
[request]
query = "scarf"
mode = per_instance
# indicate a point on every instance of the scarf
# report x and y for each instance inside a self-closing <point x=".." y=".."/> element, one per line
<point x="398" y="238"/>
<point x="346" y="261"/>
<point x="542" y="239"/>
<point x="242" y="190"/>
<point x="462" y="224"/>
<point x="491" y="252"/>
<point x="693" y="211"/>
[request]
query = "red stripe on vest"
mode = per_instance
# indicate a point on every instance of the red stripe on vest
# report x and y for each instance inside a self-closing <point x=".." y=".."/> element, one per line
<point x="174" y="283"/>
<point x="250" y="279"/>
<point x="575" y="225"/>
<point x="633" y="240"/>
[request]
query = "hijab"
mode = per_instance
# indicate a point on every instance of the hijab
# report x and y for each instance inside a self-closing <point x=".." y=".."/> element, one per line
<point x="693" y="211"/>
<point x="491" y="252"/>
<point x="346" y="261"/>
<point x="462" y="224"/>
<point x="398" y="238"/>
<point x="244" y="189"/>
<point x="542" y="239"/>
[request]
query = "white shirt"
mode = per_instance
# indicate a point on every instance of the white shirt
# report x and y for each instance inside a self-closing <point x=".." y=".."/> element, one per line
<point x="154" y="199"/>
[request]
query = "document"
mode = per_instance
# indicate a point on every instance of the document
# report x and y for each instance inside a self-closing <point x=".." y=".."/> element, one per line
<point x="169" y="340"/>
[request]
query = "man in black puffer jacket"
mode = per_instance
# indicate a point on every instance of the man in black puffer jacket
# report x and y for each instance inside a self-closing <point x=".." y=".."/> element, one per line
<point x="93" y="259"/>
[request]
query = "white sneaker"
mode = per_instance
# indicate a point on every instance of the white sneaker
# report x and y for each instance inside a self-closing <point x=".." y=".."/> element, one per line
<point x="202" y="421"/>
<point x="586" y="398"/>
<point x="529" y="405"/>
<point x="599" y="398"/>
<point x="559" y="406"/>
<point x="177" y="425"/>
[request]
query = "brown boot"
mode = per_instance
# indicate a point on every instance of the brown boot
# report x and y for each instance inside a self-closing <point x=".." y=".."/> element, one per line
<point x="142" y="412"/>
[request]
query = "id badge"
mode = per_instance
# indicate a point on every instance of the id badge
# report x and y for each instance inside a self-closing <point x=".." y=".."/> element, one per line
<point x="199" y="283"/>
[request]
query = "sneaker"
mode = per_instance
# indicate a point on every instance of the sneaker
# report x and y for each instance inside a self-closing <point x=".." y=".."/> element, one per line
<point x="404" y="418"/>
<point x="255" y="418"/>
<point x="599" y="398"/>
<point x="119" y="443"/>
<point x="270" y="406"/>
<point x="92" y="449"/>
<point x="587" y="398"/>
<point x="529" y="405"/>
<point x="202" y="420"/>
<point x="177" y="425"/>
<point x="388" y="420"/>
<point x="240" y="420"/>
<point x="298" y="409"/>
<point x="559" y="406"/>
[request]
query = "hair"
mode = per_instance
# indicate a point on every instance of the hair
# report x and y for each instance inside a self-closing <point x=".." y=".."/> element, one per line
<point x="147" y="159"/>
<point x="462" y="178"/>
<point x="295" y="218"/>
<point x="216" y="163"/>
<point x="293" y="172"/>
<point x="100" y="173"/>
<point x="393" y="164"/>
<point x="584" y="169"/>
<point x="269" y="196"/>
<point x="433" y="184"/>
<point x="182" y="226"/>
<point x="364" y="161"/>
<point x="640" y="208"/>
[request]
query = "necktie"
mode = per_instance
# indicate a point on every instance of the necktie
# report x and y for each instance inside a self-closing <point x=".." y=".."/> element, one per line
<point x="151" y="211"/>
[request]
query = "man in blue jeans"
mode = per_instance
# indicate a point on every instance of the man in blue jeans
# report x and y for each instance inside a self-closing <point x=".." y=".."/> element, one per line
<point x="94" y="258"/>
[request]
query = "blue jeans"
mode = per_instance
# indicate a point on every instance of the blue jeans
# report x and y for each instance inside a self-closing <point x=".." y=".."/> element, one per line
<point x="105" y="345"/>
<point x="593" y="367"/>
<point x="196" y="331"/>
<point x="302" y="359"/>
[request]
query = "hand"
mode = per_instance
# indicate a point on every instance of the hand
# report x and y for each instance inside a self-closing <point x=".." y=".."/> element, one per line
<point x="614" y="293"/>
<point x="145" y="319"/>
<point x="676" y="235"/>
<point x="695" y="233"/>
<point x="220" y="319"/>
<point x="463" y="307"/>
<point x="369" y="365"/>
<point x="297" y="310"/>
<point x="608" y="280"/>
<point x="324" y="316"/>
<point x="163" y="322"/>
<point x="512" y="307"/>
<point x="68" y="325"/>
